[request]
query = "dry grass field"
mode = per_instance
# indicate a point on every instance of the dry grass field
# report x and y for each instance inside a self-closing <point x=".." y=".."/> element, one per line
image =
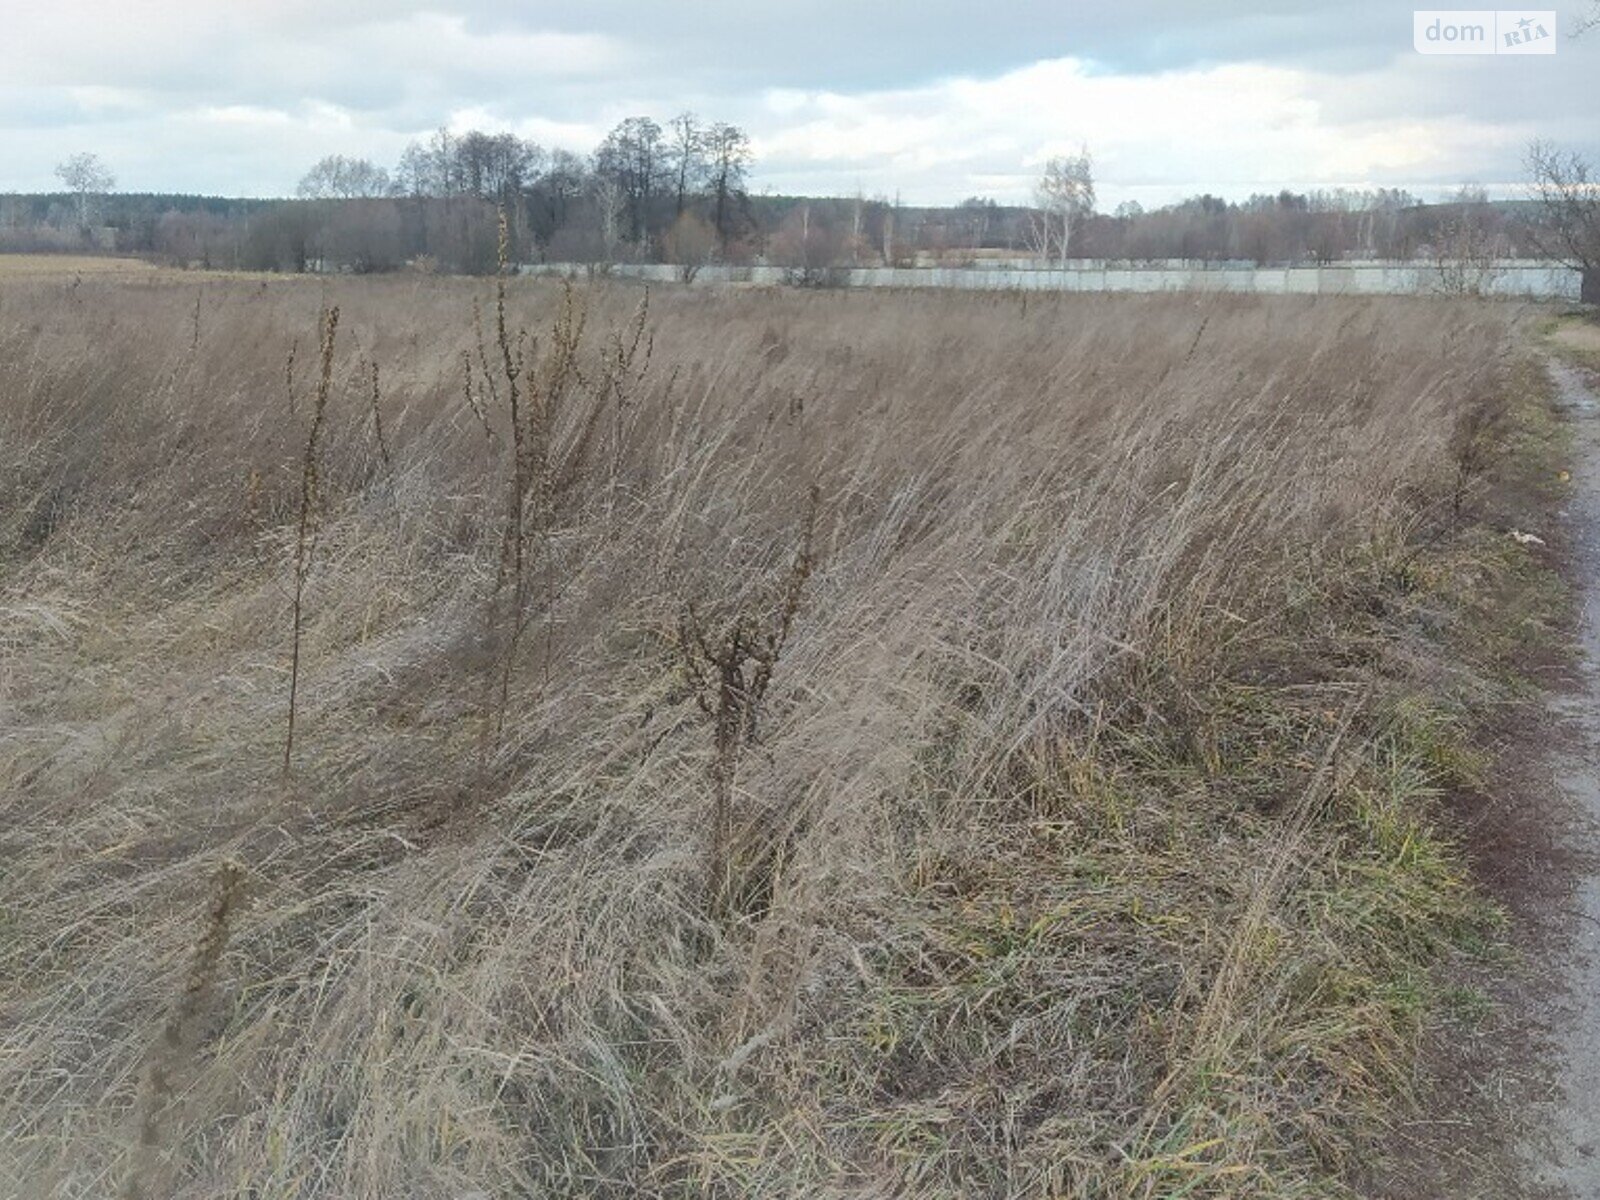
<point x="1578" y="340"/>
<point x="58" y="266"/>
<point x="830" y="744"/>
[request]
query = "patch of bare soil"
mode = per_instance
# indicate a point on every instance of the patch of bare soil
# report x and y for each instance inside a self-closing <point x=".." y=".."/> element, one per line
<point x="1564" y="1149"/>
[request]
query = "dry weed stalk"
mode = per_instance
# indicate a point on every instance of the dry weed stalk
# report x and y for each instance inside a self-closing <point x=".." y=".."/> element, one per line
<point x="377" y="419"/>
<point x="306" y="529"/>
<point x="474" y="400"/>
<point x="180" y="1035"/>
<point x="533" y="401"/>
<point x="514" y="544"/>
<point x="288" y="375"/>
<point x="621" y="373"/>
<point x="730" y="674"/>
<point x="483" y="348"/>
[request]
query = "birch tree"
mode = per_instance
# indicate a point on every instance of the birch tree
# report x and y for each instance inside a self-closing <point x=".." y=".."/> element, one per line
<point x="87" y="178"/>
<point x="1063" y="195"/>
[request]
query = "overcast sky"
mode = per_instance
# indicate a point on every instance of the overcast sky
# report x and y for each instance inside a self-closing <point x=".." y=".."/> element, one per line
<point x="935" y="100"/>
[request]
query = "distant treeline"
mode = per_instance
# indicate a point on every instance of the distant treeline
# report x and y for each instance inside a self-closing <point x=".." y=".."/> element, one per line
<point x="678" y="194"/>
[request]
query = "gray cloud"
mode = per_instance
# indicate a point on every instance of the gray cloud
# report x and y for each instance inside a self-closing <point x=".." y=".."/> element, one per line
<point x="936" y="101"/>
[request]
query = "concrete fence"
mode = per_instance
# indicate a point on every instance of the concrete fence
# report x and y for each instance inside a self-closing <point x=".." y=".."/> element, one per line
<point x="1513" y="277"/>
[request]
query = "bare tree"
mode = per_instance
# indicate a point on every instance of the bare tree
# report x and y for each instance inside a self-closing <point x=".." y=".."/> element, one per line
<point x="1568" y="223"/>
<point x="496" y="166"/>
<point x="1467" y="248"/>
<point x="339" y="178"/>
<point x="611" y="203"/>
<point x="87" y="178"/>
<point x="431" y="169"/>
<point x="631" y="157"/>
<point x="728" y="156"/>
<point x="556" y="191"/>
<point x="686" y="153"/>
<point x="1063" y="195"/>
<point x="491" y="166"/>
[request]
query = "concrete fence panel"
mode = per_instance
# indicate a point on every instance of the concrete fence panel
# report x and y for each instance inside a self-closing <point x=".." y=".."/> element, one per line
<point x="1536" y="280"/>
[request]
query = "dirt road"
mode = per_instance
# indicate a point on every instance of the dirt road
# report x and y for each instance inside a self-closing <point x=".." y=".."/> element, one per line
<point x="1572" y="1160"/>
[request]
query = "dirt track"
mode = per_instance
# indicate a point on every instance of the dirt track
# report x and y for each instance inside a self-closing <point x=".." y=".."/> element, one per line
<point x="1572" y="1160"/>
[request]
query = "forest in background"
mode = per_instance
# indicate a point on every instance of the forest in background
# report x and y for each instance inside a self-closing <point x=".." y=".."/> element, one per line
<point x="680" y="194"/>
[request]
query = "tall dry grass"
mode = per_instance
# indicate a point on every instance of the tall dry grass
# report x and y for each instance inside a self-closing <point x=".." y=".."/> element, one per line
<point x="1087" y="589"/>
